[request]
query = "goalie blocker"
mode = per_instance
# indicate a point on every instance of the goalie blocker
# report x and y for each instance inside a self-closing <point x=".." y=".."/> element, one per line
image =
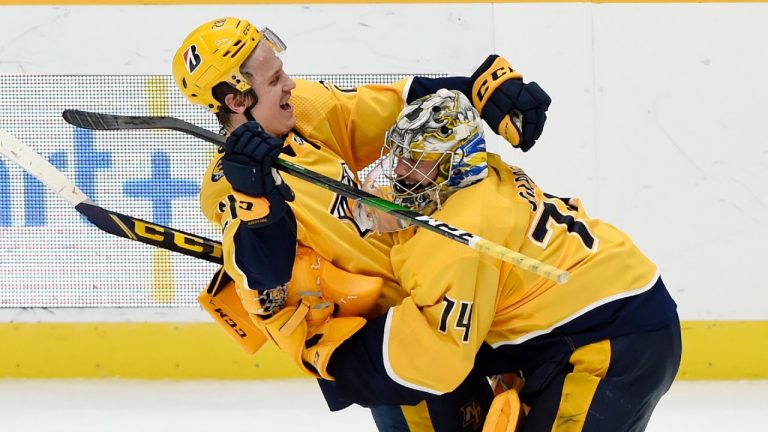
<point x="317" y="292"/>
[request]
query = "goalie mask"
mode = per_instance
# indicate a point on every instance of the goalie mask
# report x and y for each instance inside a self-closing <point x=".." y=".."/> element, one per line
<point x="213" y="53"/>
<point x="435" y="148"/>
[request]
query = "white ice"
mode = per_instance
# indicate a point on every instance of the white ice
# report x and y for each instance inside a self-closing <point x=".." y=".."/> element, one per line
<point x="296" y="405"/>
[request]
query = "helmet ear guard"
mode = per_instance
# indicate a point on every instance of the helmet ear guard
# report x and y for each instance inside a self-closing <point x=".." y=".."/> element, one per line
<point x="444" y="129"/>
<point x="213" y="53"/>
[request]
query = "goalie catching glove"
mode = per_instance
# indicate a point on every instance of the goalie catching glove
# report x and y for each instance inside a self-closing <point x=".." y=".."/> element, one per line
<point x="513" y="109"/>
<point x="249" y="156"/>
<point x="322" y="308"/>
<point x="310" y="349"/>
<point x="326" y="289"/>
<point x="296" y="330"/>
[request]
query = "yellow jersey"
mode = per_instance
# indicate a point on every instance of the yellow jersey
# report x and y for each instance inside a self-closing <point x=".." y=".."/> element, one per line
<point x="337" y="133"/>
<point x="460" y="299"/>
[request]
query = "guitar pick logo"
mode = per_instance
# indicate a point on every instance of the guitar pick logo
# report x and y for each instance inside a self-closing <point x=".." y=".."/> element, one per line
<point x="192" y="59"/>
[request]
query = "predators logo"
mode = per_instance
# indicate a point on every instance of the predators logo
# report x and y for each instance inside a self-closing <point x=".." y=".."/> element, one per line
<point x="341" y="207"/>
<point x="218" y="172"/>
<point x="473" y="415"/>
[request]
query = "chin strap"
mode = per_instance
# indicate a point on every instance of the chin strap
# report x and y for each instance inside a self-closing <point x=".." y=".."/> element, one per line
<point x="248" y="115"/>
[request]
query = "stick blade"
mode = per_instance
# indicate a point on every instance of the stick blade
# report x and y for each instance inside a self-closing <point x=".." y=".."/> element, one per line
<point x="91" y="120"/>
<point x="101" y="121"/>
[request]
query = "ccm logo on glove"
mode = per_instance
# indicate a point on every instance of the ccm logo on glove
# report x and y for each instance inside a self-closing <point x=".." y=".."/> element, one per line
<point x="492" y="79"/>
<point x="513" y="109"/>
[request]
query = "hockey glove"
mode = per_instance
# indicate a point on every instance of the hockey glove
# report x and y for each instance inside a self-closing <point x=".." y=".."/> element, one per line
<point x="513" y="109"/>
<point x="249" y="155"/>
<point x="329" y="290"/>
<point x="311" y="350"/>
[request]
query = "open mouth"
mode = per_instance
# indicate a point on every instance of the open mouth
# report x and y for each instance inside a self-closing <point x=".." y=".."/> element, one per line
<point x="407" y="185"/>
<point x="286" y="106"/>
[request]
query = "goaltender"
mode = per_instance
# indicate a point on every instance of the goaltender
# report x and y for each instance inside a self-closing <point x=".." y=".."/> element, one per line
<point x="594" y="354"/>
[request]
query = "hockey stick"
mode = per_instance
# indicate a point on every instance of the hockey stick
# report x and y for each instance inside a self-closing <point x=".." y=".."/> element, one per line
<point x="112" y="222"/>
<point x="98" y="121"/>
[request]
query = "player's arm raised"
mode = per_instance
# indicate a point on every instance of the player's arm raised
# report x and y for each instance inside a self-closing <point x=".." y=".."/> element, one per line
<point x="514" y="109"/>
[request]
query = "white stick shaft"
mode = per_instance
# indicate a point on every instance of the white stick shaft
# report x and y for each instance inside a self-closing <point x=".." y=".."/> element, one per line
<point x="38" y="166"/>
<point x="522" y="261"/>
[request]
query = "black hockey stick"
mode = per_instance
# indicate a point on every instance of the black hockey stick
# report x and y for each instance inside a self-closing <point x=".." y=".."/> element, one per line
<point x="107" y="220"/>
<point x="99" y="121"/>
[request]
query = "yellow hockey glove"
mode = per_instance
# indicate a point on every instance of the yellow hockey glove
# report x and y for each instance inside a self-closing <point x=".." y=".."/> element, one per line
<point x="329" y="290"/>
<point x="303" y="326"/>
<point x="222" y="303"/>
<point x="513" y="109"/>
<point x="310" y="351"/>
<point x="326" y="289"/>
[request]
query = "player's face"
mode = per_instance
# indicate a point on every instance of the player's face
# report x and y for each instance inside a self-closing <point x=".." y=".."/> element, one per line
<point x="419" y="173"/>
<point x="264" y="71"/>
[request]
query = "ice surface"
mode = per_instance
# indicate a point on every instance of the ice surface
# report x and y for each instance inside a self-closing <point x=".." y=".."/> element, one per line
<point x="155" y="406"/>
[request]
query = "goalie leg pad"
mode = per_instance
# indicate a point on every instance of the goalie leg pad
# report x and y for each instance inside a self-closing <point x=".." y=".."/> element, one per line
<point x="505" y="413"/>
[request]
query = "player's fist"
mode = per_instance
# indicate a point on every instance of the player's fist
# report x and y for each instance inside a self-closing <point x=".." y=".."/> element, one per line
<point x="249" y="156"/>
<point x="513" y="109"/>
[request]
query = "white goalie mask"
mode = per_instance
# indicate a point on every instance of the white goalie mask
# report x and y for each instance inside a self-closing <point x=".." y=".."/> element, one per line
<point x="435" y="148"/>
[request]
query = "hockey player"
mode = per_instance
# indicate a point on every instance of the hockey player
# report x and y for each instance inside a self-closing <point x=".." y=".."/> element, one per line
<point x="595" y="353"/>
<point x="232" y="68"/>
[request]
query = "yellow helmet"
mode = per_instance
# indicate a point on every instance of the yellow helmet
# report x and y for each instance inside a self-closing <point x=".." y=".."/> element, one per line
<point x="213" y="53"/>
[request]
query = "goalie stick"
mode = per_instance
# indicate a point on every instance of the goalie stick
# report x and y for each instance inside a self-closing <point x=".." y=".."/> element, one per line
<point x="107" y="220"/>
<point x="99" y="121"/>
